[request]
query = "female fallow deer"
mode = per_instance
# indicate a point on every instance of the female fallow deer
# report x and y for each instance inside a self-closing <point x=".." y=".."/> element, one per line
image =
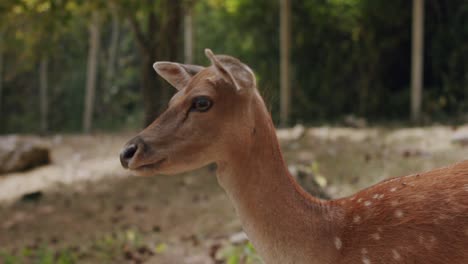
<point x="218" y="116"/>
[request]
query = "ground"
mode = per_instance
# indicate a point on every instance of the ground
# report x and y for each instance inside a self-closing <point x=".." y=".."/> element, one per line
<point x="89" y="210"/>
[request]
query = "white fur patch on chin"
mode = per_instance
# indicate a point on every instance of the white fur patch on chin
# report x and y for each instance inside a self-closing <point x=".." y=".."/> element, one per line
<point x="144" y="172"/>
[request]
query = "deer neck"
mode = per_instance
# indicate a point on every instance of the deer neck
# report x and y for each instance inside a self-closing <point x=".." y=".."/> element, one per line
<point x="285" y="224"/>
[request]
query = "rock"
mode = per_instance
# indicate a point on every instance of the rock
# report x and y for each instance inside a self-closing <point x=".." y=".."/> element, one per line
<point x="32" y="197"/>
<point x="295" y="133"/>
<point x="21" y="153"/>
<point x="460" y="137"/>
<point x="354" y="121"/>
<point x="238" y="238"/>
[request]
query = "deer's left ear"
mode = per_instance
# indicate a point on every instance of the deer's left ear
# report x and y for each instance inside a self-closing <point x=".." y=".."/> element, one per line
<point x="233" y="71"/>
<point x="178" y="75"/>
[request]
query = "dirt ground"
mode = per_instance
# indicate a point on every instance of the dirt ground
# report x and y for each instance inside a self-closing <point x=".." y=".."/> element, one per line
<point x="86" y="205"/>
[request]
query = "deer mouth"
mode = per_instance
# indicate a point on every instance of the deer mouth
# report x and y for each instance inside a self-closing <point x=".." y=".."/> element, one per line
<point x="150" y="166"/>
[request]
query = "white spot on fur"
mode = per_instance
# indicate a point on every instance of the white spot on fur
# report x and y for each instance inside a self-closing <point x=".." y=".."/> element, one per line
<point x="393" y="189"/>
<point x="338" y="243"/>
<point x="365" y="260"/>
<point x="359" y="200"/>
<point x="399" y="213"/>
<point x="428" y="242"/>
<point x="356" y="219"/>
<point x="367" y="203"/>
<point x="376" y="236"/>
<point x="396" y="254"/>
<point x="465" y="187"/>
<point x="381" y="196"/>
<point x="376" y="196"/>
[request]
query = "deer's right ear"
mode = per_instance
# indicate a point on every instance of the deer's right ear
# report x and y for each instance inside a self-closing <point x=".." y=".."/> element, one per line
<point x="178" y="75"/>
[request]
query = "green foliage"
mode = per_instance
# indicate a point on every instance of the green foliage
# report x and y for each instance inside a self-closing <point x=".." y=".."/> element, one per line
<point x="62" y="35"/>
<point x="43" y="255"/>
<point x="241" y="254"/>
<point x="110" y="248"/>
<point x="348" y="57"/>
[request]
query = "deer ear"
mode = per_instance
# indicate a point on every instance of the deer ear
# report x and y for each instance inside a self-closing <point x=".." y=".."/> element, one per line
<point x="233" y="71"/>
<point x="178" y="75"/>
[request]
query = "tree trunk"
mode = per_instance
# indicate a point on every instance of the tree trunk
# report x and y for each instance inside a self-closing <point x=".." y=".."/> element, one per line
<point x="417" y="60"/>
<point x="113" y="48"/>
<point x="169" y="47"/>
<point x="150" y="91"/>
<point x="160" y="44"/>
<point x="285" y="32"/>
<point x="1" y="80"/>
<point x="43" y="93"/>
<point x="188" y="34"/>
<point x="91" y="74"/>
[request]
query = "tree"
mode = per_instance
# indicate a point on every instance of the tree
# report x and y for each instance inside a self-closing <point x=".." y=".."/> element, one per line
<point x="43" y="94"/>
<point x="188" y="32"/>
<point x="42" y="25"/>
<point x="417" y="61"/>
<point x="1" y="71"/>
<point x="113" y="46"/>
<point x="285" y="32"/>
<point x="92" y="68"/>
<point x="157" y="29"/>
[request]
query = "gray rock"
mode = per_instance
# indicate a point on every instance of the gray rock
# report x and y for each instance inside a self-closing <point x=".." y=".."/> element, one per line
<point x="238" y="238"/>
<point x="22" y="153"/>
<point x="291" y="134"/>
<point x="460" y="137"/>
<point x="355" y="122"/>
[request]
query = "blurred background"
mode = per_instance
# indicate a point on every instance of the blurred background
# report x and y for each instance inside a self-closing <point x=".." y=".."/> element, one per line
<point x="363" y="90"/>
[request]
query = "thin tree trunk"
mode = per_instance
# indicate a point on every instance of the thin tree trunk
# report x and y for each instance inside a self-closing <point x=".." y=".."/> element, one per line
<point x="113" y="48"/>
<point x="417" y="52"/>
<point x="1" y="75"/>
<point x="285" y="31"/>
<point x="1" y="80"/>
<point x="43" y="93"/>
<point x="94" y="39"/>
<point x="188" y="34"/>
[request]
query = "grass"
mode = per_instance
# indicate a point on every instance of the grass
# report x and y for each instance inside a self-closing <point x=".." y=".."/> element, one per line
<point x="42" y="255"/>
<point x="241" y="254"/>
<point x="111" y="248"/>
<point x="126" y="246"/>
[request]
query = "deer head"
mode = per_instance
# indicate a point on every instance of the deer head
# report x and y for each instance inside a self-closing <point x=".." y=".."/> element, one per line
<point x="204" y="118"/>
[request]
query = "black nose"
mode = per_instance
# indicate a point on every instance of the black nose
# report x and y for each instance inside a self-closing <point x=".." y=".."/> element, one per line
<point x="127" y="154"/>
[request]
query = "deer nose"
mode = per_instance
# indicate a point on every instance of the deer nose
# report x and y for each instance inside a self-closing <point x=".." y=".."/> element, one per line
<point x="127" y="154"/>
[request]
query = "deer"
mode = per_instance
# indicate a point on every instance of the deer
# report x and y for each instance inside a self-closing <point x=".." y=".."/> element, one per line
<point x="218" y="116"/>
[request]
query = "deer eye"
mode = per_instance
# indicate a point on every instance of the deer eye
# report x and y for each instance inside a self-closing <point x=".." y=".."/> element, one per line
<point x="201" y="104"/>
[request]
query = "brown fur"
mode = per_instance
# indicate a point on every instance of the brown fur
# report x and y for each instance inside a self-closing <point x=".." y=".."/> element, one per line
<point x="422" y="218"/>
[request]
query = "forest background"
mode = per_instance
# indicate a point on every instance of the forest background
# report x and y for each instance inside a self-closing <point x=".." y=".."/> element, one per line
<point x="77" y="65"/>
